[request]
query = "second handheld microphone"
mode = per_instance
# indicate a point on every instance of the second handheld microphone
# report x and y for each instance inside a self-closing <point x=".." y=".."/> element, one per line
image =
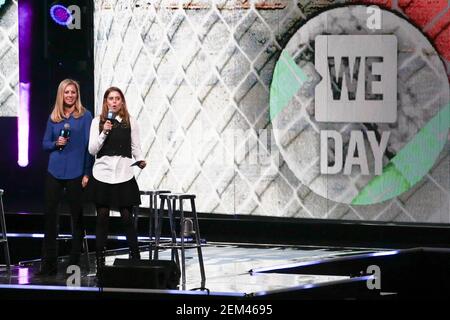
<point x="65" y="133"/>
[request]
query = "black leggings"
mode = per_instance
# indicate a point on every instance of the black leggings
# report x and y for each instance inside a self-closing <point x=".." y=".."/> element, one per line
<point x="54" y="189"/>
<point x="102" y="227"/>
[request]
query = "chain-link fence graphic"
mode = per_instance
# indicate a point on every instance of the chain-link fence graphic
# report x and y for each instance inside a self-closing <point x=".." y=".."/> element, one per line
<point x="9" y="60"/>
<point x="196" y="75"/>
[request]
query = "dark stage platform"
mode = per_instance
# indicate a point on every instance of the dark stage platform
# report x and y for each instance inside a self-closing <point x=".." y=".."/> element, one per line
<point x="255" y="272"/>
<point x="268" y="265"/>
<point x="231" y="273"/>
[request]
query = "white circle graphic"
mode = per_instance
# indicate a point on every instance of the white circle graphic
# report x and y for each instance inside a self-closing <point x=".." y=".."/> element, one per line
<point x="422" y="91"/>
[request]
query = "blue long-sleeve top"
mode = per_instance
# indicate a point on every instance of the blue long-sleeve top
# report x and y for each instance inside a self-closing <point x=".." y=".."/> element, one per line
<point x="74" y="160"/>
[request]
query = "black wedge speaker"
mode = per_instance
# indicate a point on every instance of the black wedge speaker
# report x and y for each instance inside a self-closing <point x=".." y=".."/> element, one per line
<point x="141" y="274"/>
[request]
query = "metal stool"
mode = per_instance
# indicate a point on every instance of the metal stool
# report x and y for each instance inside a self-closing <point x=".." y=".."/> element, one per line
<point x="153" y="215"/>
<point x="187" y="228"/>
<point x="4" y="238"/>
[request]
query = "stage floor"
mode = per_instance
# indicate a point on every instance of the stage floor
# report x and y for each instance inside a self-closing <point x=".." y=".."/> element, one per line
<point x="227" y="267"/>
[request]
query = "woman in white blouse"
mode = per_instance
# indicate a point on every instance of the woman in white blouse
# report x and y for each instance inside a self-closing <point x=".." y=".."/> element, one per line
<point x="114" y="141"/>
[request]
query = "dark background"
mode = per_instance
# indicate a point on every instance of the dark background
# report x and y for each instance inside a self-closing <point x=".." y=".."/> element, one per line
<point x="57" y="53"/>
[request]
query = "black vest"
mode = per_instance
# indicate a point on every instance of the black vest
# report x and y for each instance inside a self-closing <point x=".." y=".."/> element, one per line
<point x="118" y="142"/>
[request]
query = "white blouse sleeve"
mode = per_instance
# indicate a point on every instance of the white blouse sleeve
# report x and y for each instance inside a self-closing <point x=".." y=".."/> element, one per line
<point x="135" y="141"/>
<point x="96" y="140"/>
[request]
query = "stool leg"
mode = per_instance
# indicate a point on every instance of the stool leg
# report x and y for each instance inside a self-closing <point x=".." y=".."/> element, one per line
<point x="172" y="209"/>
<point x="5" y="236"/>
<point x="150" y="227"/>
<point x="135" y="215"/>
<point x="158" y="222"/>
<point x="86" y="250"/>
<point x="183" y="266"/>
<point x="199" y="245"/>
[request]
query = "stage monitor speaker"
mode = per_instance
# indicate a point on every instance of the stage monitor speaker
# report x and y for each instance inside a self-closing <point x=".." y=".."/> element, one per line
<point x="141" y="274"/>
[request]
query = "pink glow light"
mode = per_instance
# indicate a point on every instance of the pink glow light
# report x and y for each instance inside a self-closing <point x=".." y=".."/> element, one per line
<point x="23" y="125"/>
<point x="24" y="277"/>
<point x="23" y="114"/>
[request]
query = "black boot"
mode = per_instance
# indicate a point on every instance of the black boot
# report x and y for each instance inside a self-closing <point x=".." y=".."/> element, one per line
<point x="100" y="260"/>
<point x="48" y="268"/>
<point x="135" y="254"/>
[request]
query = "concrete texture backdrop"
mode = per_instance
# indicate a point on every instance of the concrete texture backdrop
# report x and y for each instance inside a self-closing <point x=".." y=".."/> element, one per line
<point x="9" y="60"/>
<point x="197" y="77"/>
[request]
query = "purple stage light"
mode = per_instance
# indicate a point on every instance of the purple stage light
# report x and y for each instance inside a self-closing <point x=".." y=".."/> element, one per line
<point x="60" y="14"/>
<point x="24" y="276"/>
<point x="23" y="124"/>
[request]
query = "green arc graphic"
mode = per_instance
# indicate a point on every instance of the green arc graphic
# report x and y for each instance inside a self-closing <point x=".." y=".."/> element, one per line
<point x="410" y="164"/>
<point x="287" y="79"/>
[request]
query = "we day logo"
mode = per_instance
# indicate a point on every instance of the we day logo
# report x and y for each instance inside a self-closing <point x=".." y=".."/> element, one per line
<point x="359" y="105"/>
<point x="357" y="87"/>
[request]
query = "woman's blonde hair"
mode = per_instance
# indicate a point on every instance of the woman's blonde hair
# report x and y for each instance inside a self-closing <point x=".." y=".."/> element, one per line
<point x="123" y="112"/>
<point x="58" y="110"/>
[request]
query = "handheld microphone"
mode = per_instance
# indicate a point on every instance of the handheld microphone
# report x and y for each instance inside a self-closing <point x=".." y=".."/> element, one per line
<point x="65" y="133"/>
<point x="110" y="116"/>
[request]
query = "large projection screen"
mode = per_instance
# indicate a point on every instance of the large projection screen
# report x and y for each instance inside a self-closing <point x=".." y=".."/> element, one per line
<point x="208" y="81"/>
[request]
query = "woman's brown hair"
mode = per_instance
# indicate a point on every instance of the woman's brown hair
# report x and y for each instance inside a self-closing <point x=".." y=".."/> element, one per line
<point x="123" y="112"/>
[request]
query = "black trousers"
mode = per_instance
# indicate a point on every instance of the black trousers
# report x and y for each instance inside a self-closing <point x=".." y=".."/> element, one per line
<point x="54" y="189"/>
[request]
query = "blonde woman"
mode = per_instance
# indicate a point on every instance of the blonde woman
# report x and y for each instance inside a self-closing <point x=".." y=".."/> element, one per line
<point x="66" y="139"/>
<point x="114" y="143"/>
